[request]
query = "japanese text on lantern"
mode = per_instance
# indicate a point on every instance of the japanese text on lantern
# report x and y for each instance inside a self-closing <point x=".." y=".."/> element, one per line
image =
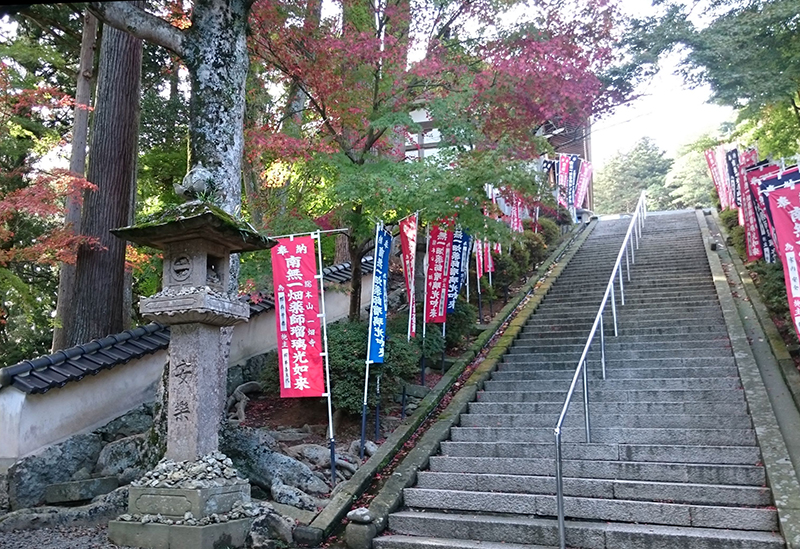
<point x="441" y="244"/>
<point x="294" y="268"/>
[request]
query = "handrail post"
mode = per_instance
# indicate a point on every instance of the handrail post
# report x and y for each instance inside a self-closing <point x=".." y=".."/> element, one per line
<point x="614" y="307"/>
<point x="586" y="404"/>
<point x="562" y="534"/>
<point x="602" y="347"/>
<point x="621" y="289"/>
<point x="633" y="253"/>
<point x="628" y="263"/>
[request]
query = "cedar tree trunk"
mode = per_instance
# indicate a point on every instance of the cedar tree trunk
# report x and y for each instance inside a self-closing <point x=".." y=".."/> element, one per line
<point x="98" y="304"/>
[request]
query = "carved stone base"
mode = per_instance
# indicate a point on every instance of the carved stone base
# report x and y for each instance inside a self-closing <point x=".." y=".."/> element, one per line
<point x="174" y="503"/>
<point x="170" y="536"/>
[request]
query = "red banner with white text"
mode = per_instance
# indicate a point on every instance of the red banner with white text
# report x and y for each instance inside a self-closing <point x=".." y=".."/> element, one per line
<point x="440" y="249"/>
<point x="784" y="203"/>
<point x="408" y="245"/>
<point x="294" y="270"/>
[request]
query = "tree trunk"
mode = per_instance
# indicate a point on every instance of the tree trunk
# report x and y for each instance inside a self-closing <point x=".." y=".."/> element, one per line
<point x="77" y="165"/>
<point x="99" y="277"/>
<point x="216" y="56"/>
<point x="355" y="282"/>
<point x="342" y="250"/>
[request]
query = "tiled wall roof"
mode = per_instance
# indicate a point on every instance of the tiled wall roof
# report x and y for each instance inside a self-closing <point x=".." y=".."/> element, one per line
<point x="39" y="375"/>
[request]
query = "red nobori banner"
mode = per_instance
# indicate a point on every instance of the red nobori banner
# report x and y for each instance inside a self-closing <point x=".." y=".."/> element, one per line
<point x="440" y="248"/>
<point x="752" y="240"/>
<point x="479" y="260"/>
<point x="584" y="177"/>
<point x="719" y="182"/>
<point x="294" y="270"/>
<point x="408" y="245"/>
<point x="563" y="179"/>
<point x="785" y="206"/>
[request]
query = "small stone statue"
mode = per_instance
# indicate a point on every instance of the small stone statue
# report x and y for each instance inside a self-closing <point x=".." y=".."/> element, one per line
<point x="197" y="184"/>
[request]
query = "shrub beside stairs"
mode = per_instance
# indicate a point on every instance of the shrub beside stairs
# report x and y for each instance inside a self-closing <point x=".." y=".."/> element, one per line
<point x="673" y="461"/>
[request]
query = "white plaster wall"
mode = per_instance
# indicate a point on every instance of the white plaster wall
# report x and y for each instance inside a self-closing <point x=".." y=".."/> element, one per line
<point x="29" y="423"/>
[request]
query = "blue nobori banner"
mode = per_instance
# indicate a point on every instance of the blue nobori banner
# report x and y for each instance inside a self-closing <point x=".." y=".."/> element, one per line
<point x="377" y="310"/>
<point x="458" y="266"/>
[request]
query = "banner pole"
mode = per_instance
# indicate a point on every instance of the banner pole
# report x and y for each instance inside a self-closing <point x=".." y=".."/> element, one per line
<point x="378" y="406"/>
<point x="444" y="345"/>
<point x="331" y="438"/>
<point x="425" y="304"/>
<point x="478" y="250"/>
<point x="369" y="341"/>
<point x="491" y="304"/>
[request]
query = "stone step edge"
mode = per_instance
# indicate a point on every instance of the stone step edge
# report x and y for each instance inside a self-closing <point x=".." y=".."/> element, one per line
<point x="770" y="540"/>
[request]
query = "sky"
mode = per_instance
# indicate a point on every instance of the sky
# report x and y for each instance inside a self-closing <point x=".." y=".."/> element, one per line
<point x="669" y="111"/>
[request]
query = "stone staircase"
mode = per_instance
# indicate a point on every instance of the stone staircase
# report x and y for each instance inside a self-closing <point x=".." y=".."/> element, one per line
<point x="673" y="461"/>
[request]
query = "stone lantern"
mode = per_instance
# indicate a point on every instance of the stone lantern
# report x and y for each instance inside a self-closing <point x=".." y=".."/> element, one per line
<point x="197" y="239"/>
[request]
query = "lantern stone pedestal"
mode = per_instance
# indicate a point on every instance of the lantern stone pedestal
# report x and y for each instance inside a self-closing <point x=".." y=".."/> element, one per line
<point x="194" y="498"/>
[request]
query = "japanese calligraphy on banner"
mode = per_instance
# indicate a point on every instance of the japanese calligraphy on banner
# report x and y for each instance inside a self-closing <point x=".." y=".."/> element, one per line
<point x="377" y="310"/>
<point x="748" y="213"/>
<point x="408" y="247"/>
<point x="516" y="213"/>
<point x="440" y="248"/>
<point x="458" y="267"/>
<point x="784" y="203"/>
<point x="294" y="270"/>
<point x="732" y="165"/>
<point x="584" y="177"/>
<point x="765" y="235"/>
<point x="572" y="178"/>
<point x="563" y="179"/>
<point x="719" y="183"/>
<point x="479" y="259"/>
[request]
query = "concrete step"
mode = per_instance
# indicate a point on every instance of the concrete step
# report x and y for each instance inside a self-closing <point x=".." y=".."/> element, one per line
<point x="635" y="408"/>
<point x="548" y="338"/>
<point x="698" y="473"/>
<point x="700" y="329"/>
<point x="637" y="311"/>
<point x="529" y="374"/>
<point x="721" y="437"/>
<point x="594" y="354"/>
<point x="639" y="421"/>
<point x="419" y="542"/>
<point x="673" y="492"/>
<point x="518" y="362"/>
<point x="584" y="534"/>
<point x="636" y="296"/>
<point x="673" y="514"/>
<point x="647" y="384"/>
<point x="599" y="395"/>
<point x="614" y="344"/>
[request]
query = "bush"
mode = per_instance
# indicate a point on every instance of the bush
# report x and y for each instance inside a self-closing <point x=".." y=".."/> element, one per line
<point x="460" y="323"/>
<point x="737" y="237"/>
<point x="347" y="348"/>
<point x="535" y="244"/>
<point x="729" y="219"/>
<point x="771" y="284"/>
<point x="549" y="230"/>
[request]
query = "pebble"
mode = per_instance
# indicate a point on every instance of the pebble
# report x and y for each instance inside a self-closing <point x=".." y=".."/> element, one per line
<point x="360" y="515"/>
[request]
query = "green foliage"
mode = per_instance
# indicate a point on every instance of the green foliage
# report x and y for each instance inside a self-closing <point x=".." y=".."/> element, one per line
<point x="689" y="183"/>
<point x="27" y="295"/>
<point x="549" y="230"/>
<point x="729" y="219"/>
<point x="347" y="345"/>
<point x="620" y="182"/>
<point x="771" y="284"/>
<point x="736" y="236"/>
<point x="460" y="323"/>
<point x="535" y="245"/>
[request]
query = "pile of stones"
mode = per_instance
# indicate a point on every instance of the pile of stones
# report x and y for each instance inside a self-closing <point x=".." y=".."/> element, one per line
<point x="212" y="470"/>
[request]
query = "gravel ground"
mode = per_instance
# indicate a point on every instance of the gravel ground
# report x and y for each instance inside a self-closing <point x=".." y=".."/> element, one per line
<point x="64" y="537"/>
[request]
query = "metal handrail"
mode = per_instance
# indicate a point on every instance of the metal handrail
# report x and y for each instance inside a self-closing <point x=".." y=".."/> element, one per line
<point x="634" y="232"/>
